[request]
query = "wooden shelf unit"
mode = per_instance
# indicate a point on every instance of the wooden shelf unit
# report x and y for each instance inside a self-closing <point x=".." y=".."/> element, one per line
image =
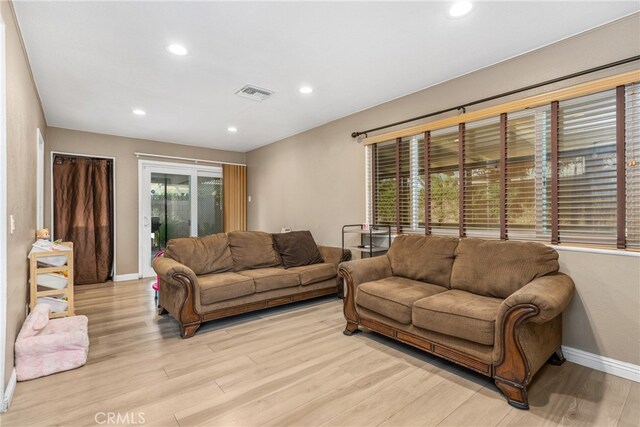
<point x="35" y="270"/>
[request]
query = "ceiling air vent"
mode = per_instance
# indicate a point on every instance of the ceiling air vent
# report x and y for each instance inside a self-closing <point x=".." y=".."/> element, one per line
<point x="254" y="92"/>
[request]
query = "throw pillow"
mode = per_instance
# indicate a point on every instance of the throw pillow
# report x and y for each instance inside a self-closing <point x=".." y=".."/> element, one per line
<point x="297" y="248"/>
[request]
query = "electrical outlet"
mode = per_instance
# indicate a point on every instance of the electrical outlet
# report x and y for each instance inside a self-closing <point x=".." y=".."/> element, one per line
<point x="249" y="199"/>
<point x="12" y="224"/>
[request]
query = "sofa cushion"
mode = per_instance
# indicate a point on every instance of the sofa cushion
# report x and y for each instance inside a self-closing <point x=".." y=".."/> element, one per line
<point x="252" y="249"/>
<point x="424" y="258"/>
<point x="393" y="297"/>
<point x="297" y="248"/>
<point x="209" y="254"/>
<point x="268" y="279"/>
<point x="460" y="314"/>
<point x="315" y="273"/>
<point x="224" y="286"/>
<point x="499" y="268"/>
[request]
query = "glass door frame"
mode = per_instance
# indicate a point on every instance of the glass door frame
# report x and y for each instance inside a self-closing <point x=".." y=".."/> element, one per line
<point x="145" y="169"/>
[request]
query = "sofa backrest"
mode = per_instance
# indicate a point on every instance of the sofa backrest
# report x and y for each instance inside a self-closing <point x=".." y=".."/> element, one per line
<point x="252" y="249"/>
<point x="424" y="258"/>
<point x="499" y="268"/>
<point x="203" y="255"/>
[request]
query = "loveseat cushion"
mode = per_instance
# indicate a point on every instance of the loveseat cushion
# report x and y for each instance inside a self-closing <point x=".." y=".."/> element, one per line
<point x="459" y="314"/>
<point x="297" y="248"/>
<point x="315" y="273"/>
<point x="499" y="268"/>
<point x="224" y="286"/>
<point x="268" y="279"/>
<point x="252" y="249"/>
<point x="209" y="254"/>
<point x="393" y="297"/>
<point x="424" y="258"/>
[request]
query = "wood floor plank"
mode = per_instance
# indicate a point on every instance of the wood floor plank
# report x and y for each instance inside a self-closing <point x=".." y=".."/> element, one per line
<point x="344" y="397"/>
<point x="484" y="408"/>
<point x="380" y="406"/>
<point x="630" y="416"/>
<point x="599" y="401"/>
<point x="437" y="403"/>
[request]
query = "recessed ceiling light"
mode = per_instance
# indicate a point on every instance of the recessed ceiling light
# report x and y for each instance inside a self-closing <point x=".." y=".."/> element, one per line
<point x="139" y="112"/>
<point x="460" y="8"/>
<point x="306" y="89"/>
<point x="177" y="49"/>
<point x="232" y="129"/>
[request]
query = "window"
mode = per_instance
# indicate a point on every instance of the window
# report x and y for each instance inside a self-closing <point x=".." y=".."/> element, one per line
<point x="444" y="181"/>
<point x="548" y="173"/>
<point x="587" y="169"/>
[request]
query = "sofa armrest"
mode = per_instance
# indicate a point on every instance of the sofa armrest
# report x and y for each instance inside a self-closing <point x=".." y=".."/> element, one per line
<point x="334" y="255"/>
<point x="550" y="294"/>
<point x="168" y="269"/>
<point x="179" y="292"/>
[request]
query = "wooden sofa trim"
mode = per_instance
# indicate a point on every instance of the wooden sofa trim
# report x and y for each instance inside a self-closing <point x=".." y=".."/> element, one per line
<point x="190" y="320"/>
<point x="429" y="346"/>
<point x="511" y="374"/>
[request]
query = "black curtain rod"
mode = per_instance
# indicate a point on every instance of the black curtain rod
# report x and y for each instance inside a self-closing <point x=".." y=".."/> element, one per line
<point x="511" y="92"/>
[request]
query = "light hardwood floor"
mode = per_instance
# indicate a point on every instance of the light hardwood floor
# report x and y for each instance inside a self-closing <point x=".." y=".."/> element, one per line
<point x="288" y="366"/>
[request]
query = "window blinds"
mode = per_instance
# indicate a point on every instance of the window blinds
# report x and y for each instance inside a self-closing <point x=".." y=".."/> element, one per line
<point x="548" y="174"/>
<point x="632" y="166"/>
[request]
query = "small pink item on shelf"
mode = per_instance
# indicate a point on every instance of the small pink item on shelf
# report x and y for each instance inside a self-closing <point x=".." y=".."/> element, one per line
<point x="45" y="346"/>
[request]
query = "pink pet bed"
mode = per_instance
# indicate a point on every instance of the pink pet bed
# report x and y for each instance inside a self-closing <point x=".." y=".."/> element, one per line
<point x="44" y="346"/>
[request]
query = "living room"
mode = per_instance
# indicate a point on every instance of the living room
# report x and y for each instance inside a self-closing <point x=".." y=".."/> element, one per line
<point x="352" y="97"/>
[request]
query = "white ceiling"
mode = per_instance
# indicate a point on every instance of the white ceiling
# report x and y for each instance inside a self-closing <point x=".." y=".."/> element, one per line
<point x="93" y="62"/>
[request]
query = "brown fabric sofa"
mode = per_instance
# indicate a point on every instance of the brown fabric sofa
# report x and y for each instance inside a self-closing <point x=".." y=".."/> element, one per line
<point x="225" y="274"/>
<point x="492" y="306"/>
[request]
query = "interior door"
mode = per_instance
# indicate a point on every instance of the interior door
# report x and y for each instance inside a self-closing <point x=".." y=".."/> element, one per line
<point x="177" y="201"/>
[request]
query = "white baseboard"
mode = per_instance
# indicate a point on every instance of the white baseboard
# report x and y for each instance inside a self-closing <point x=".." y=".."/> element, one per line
<point x="8" y="391"/>
<point x="125" y="277"/>
<point x="601" y="363"/>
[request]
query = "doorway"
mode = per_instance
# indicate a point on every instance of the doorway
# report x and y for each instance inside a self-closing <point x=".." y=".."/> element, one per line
<point x="83" y="212"/>
<point x="176" y="200"/>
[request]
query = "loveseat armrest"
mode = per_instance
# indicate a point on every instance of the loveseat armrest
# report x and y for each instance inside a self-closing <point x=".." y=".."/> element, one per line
<point x="550" y="294"/>
<point x="365" y="270"/>
<point x="333" y="255"/>
<point x="355" y="273"/>
<point x="528" y="332"/>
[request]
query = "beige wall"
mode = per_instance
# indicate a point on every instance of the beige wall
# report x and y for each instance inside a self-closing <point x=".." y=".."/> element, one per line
<point x="316" y="180"/>
<point x="24" y="116"/>
<point x="126" y="194"/>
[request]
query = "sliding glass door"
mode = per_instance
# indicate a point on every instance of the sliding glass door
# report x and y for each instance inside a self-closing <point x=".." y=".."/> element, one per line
<point x="177" y="201"/>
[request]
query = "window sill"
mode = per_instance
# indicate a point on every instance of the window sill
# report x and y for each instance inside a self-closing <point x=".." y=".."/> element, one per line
<point x="619" y="252"/>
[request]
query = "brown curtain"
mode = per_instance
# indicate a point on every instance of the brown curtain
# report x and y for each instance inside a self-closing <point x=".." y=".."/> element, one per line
<point x="83" y="214"/>
<point x="234" y="205"/>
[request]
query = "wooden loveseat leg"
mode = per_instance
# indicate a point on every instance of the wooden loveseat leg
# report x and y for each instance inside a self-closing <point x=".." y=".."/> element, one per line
<point x="516" y="394"/>
<point x="189" y="330"/>
<point x="557" y="358"/>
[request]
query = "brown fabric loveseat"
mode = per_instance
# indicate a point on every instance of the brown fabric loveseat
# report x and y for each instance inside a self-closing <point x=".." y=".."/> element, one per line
<point x="206" y="278"/>
<point x="492" y="306"/>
